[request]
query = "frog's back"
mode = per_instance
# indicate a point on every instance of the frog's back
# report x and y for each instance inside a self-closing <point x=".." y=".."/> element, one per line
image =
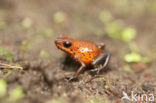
<point x="87" y="50"/>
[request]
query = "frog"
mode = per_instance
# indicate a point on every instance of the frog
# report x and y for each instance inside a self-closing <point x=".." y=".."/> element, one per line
<point x="85" y="52"/>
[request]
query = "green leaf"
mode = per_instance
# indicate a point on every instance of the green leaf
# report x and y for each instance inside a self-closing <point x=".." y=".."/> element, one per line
<point x="114" y="29"/>
<point x="44" y="54"/>
<point x="132" y="57"/>
<point x="59" y="17"/>
<point x="127" y="68"/>
<point x="105" y="16"/>
<point x="2" y="24"/>
<point x="48" y="32"/>
<point x="151" y="6"/>
<point x="26" y="23"/>
<point x="106" y="86"/>
<point x="128" y="34"/>
<point x="133" y="47"/>
<point x="16" y="94"/>
<point x="3" y="86"/>
<point x="146" y="60"/>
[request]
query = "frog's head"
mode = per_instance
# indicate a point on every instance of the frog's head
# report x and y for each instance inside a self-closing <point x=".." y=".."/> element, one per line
<point x="64" y="43"/>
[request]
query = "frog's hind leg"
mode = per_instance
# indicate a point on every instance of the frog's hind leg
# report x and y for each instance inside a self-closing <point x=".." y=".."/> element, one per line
<point x="103" y="59"/>
<point x="100" y="59"/>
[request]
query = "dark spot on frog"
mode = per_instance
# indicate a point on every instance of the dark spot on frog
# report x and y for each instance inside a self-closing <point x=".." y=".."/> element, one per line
<point x="83" y="54"/>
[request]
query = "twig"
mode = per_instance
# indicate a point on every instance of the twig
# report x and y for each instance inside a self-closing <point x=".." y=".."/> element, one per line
<point x="7" y="66"/>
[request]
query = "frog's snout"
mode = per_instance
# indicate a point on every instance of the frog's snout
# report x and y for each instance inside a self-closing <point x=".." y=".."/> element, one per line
<point x="56" y="43"/>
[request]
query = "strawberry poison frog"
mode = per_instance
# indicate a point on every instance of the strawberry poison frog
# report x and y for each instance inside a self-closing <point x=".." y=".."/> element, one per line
<point x="83" y="51"/>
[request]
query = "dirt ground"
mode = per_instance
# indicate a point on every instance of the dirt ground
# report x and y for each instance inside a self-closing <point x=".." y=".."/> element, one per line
<point x="29" y="31"/>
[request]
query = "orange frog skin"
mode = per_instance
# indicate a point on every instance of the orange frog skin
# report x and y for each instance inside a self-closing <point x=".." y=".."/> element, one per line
<point x="85" y="52"/>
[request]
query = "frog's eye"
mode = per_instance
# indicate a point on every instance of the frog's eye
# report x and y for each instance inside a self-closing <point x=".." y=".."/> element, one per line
<point x="67" y="44"/>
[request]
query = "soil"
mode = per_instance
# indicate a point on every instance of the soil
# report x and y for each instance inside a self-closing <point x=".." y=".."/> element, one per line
<point x="43" y="78"/>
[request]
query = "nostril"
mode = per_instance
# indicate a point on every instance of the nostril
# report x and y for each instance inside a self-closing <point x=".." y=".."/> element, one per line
<point x="56" y="42"/>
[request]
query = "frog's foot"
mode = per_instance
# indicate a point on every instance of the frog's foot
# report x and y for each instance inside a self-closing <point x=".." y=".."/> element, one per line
<point x="71" y="78"/>
<point x="103" y="59"/>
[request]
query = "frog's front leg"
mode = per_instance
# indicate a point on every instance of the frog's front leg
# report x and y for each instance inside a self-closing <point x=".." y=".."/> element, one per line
<point x="101" y="45"/>
<point x="73" y="77"/>
<point x="103" y="59"/>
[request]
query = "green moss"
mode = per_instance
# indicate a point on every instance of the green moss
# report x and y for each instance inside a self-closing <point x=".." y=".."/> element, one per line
<point x="95" y="100"/>
<point x="6" y="53"/>
<point x="8" y="73"/>
<point x="103" y="79"/>
<point x="25" y="46"/>
<point x="14" y="95"/>
<point x="58" y="100"/>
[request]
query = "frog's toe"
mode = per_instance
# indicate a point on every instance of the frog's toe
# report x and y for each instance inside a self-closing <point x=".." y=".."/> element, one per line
<point x="71" y="78"/>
